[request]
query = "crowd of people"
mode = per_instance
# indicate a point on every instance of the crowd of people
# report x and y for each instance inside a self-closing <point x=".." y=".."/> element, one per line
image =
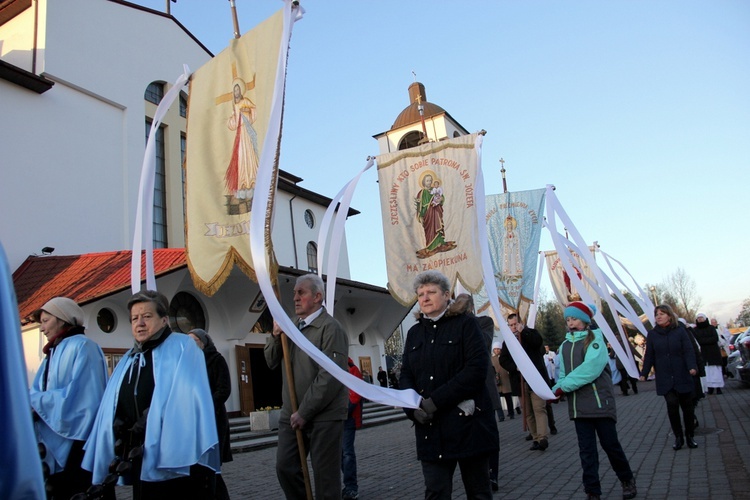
<point x="159" y="423"/>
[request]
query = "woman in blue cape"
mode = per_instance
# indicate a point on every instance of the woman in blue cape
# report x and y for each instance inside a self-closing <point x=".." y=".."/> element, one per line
<point x="156" y="425"/>
<point x="65" y="395"/>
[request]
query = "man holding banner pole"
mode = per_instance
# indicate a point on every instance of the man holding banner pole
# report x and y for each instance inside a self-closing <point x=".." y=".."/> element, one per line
<point x="323" y="400"/>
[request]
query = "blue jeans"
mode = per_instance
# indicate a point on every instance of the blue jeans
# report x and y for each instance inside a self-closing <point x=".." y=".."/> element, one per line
<point x="587" y="430"/>
<point x="348" y="458"/>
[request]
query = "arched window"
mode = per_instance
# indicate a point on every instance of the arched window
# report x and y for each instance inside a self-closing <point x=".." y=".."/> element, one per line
<point x="183" y="104"/>
<point x="186" y="313"/>
<point x="312" y="257"/>
<point x="154" y="92"/>
<point x="410" y="140"/>
<point x="160" y="188"/>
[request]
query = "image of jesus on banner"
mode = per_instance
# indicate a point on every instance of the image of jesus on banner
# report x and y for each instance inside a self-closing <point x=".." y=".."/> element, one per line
<point x="429" y="206"/>
<point x="243" y="164"/>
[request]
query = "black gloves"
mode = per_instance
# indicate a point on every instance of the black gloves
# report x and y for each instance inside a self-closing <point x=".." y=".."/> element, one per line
<point x="428" y="406"/>
<point x="425" y="412"/>
<point x="139" y="428"/>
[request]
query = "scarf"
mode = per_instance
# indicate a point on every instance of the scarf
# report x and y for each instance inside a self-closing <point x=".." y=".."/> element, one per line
<point x="60" y="336"/>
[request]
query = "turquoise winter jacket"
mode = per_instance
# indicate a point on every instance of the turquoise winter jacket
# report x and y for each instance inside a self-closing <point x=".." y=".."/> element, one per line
<point x="585" y="377"/>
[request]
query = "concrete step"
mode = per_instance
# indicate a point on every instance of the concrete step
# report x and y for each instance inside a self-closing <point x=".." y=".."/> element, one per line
<point x="243" y="438"/>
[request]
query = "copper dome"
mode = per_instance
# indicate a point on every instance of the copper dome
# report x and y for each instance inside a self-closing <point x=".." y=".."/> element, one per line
<point x="410" y="114"/>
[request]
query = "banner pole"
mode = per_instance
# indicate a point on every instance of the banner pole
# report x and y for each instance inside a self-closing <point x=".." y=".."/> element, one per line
<point x="293" y="402"/>
<point x="502" y="173"/>
<point x="235" y="21"/>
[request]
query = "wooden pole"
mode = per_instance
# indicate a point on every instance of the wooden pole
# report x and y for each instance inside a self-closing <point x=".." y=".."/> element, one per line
<point x="293" y="402"/>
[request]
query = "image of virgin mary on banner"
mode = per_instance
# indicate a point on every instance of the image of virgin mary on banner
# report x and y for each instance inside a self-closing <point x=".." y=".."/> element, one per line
<point x="565" y="292"/>
<point x="231" y="101"/>
<point x="429" y="214"/>
<point x="514" y="230"/>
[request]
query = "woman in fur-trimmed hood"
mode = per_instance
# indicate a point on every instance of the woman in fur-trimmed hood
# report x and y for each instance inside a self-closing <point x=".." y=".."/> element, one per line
<point x="445" y="360"/>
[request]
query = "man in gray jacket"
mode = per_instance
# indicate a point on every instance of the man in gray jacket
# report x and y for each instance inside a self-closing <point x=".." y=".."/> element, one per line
<point x="322" y="400"/>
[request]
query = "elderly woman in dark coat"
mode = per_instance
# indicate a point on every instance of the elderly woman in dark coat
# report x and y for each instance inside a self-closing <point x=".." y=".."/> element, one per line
<point x="446" y="362"/>
<point x="221" y="387"/>
<point x="708" y="338"/>
<point x="670" y="351"/>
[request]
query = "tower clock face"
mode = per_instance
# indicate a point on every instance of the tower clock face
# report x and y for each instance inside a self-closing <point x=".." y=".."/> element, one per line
<point x="309" y="219"/>
<point x="186" y="313"/>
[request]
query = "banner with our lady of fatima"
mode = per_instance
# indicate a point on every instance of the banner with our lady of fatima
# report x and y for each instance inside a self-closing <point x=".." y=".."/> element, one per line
<point x="232" y="98"/>
<point x="514" y="229"/>
<point x="429" y="214"/>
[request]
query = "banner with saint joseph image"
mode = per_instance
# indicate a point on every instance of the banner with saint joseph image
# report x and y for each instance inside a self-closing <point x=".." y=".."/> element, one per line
<point x="429" y="214"/>
<point x="231" y="99"/>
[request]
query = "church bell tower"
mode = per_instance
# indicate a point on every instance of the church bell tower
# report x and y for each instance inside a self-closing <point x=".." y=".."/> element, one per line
<point x="421" y="121"/>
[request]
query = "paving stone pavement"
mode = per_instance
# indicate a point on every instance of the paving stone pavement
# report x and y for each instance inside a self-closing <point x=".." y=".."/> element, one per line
<point x="718" y="469"/>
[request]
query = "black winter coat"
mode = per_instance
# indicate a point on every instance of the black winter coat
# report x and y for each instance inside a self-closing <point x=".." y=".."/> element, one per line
<point x="708" y="338"/>
<point x="533" y="344"/>
<point x="446" y="360"/>
<point x="221" y="387"/>
<point x="670" y="352"/>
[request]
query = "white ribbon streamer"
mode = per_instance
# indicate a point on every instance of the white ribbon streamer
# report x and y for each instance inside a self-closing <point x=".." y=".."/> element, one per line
<point x="393" y="397"/>
<point x="144" y="215"/>
<point x="531" y="320"/>
<point x="527" y="369"/>
<point x="563" y="246"/>
<point x="641" y="297"/>
<point x="339" y="214"/>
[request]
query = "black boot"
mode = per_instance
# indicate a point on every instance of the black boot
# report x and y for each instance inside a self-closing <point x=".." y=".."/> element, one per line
<point x="678" y="442"/>
<point x="691" y="442"/>
<point x="710" y="390"/>
<point x="718" y="391"/>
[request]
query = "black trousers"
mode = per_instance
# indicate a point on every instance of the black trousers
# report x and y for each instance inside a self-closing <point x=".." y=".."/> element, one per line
<point x="676" y="400"/>
<point x="588" y="429"/>
<point x="199" y="485"/>
<point x="73" y="479"/>
<point x="438" y="478"/>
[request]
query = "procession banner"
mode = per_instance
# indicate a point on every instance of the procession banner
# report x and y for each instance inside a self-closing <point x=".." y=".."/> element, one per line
<point x="232" y="98"/>
<point x="563" y="287"/>
<point x="514" y="230"/>
<point x="427" y="195"/>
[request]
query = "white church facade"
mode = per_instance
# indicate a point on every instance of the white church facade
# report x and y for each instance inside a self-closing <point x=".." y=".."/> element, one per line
<point x="78" y="97"/>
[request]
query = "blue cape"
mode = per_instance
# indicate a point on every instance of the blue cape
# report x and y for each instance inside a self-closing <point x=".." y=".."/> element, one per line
<point x="75" y="384"/>
<point x="21" y="475"/>
<point x="181" y="427"/>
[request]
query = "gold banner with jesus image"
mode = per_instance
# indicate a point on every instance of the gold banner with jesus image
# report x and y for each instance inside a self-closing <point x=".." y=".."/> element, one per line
<point x="230" y="104"/>
<point x="429" y="214"/>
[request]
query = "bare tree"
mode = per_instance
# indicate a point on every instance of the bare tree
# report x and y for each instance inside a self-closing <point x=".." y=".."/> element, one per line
<point x="681" y="289"/>
<point x="743" y="319"/>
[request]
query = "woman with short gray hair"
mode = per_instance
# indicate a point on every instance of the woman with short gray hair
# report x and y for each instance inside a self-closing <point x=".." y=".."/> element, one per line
<point x="445" y="360"/>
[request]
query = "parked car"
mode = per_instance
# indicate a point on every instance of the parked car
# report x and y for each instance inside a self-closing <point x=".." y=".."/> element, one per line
<point x="734" y="359"/>
<point x="742" y="344"/>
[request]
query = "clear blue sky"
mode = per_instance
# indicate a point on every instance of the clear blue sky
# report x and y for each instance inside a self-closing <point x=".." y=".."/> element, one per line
<point x="637" y="111"/>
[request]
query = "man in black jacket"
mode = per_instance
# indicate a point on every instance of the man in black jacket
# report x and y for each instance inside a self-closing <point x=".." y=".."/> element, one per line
<point x="534" y="406"/>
